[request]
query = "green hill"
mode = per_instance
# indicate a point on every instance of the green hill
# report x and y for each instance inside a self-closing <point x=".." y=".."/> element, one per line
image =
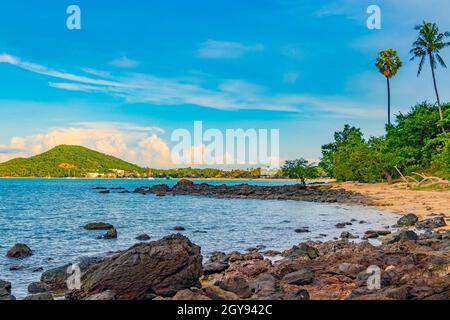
<point x="65" y="161"/>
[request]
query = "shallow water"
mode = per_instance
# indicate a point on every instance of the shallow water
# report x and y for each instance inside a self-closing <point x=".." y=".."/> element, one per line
<point x="49" y="215"/>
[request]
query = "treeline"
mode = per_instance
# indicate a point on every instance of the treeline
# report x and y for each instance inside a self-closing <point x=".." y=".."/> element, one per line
<point x="419" y="141"/>
<point x="208" y="173"/>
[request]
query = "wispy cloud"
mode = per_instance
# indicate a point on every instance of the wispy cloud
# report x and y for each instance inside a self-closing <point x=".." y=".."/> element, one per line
<point x="124" y="62"/>
<point x="232" y="94"/>
<point x="213" y="49"/>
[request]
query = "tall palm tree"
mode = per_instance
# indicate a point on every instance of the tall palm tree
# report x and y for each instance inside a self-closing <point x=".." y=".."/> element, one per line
<point x="388" y="64"/>
<point x="429" y="44"/>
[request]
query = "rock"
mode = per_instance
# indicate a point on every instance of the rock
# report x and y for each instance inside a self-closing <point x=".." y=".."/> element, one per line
<point x="407" y="220"/>
<point x="302" y="230"/>
<point x="38" y="269"/>
<point x="179" y="228"/>
<point x="37" y="287"/>
<point x="143" y="237"/>
<point x="16" y="268"/>
<point x="432" y="223"/>
<point x="399" y="236"/>
<point x="105" y="191"/>
<point x="236" y="284"/>
<point x="102" y="296"/>
<point x="189" y="295"/>
<point x="56" y="278"/>
<point x="98" y="226"/>
<point x="19" y="250"/>
<point x="300" y="294"/>
<point x="351" y="269"/>
<point x="5" y="291"/>
<point x="372" y="234"/>
<point x="302" y="277"/>
<point x="348" y="235"/>
<point x="110" y="234"/>
<point x="40" y="296"/>
<point x="265" y="284"/>
<point x="303" y="250"/>
<point x="161" y="267"/>
<point x="215" y="267"/>
<point x="341" y="225"/>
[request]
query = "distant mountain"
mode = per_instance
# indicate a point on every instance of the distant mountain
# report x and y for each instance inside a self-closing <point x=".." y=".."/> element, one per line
<point x="66" y="161"/>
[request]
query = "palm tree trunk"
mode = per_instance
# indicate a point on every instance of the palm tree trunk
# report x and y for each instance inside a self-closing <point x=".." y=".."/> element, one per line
<point x="389" y="100"/>
<point x="441" y="114"/>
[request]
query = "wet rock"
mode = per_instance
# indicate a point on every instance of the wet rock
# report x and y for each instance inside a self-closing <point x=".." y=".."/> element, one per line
<point x="40" y="296"/>
<point x="179" y="228"/>
<point x="373" y="234"/>
<point x="302" y="250"/>
<point x="237" y="256"/>
<point x="215" y="267"/>
<point x="347" y="235"/>
<point x="143" y="237"/>
<point x="340" y="225"/>
<point x="18" y="251"/>
<point x="404" y="235"/>
<point x="301" y="294"/>
<point x="302" y="277"/>
<point x="236" y="284"/>
<point x="39" y="269"/>
<point x="432" y="223"/>
<point x="98" y="226"/>
<point x="37" y="287"/>
<point x="271" y="253"/>
<point x="5" y="291"/>
<point x="105" y="191"/>
<point x="16" y="268"/>
<point x="408" y="220"/>
<point x="161" y="267"/>
<point x="302" y="230"/>
<point x="110" y="234"/>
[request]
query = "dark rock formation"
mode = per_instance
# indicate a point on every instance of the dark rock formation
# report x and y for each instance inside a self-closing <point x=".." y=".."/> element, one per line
<point x="407" y="220"/>
<point x="19" y="250"/>
<point x="98" y="226"/>
<point x="162" y="267"/>
<point x="5" y="291"/>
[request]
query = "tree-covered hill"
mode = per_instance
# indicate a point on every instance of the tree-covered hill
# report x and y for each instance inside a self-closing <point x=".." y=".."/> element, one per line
<point x="65" y="161"/>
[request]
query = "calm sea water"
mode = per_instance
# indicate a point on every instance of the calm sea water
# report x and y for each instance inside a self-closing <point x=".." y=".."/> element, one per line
<point x="49" y="215"/>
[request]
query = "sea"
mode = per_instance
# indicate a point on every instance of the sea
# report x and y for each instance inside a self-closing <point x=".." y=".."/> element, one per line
<point x="49" y="215"/>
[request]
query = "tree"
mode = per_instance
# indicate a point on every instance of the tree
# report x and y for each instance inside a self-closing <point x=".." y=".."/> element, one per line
<point x="388" y="64"/>
<point x="299" y="169"/>
<point x="429" y="44"/>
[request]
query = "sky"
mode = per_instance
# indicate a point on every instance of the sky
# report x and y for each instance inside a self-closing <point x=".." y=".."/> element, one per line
<point x="138" y="70"/>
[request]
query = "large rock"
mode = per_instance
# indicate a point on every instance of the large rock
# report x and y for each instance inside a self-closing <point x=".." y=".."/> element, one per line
<point x="98" y="226"/>
<point x="301" y="277"/>
<point x="162" y="267"/>
<point x="432" y="223"/>
<point x="19" y="250"/>
<point x="408" y="220"/>
<point x="40" y="296"/>
<point x="56" y="278"/>
<point x="37" y="287"/>
<point x="236" y="284"/>
<point x="302" y="250"/>
<point x="5" y="291"/>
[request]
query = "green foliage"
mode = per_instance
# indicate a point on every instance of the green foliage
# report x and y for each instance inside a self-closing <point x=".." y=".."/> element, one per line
<point x="414" y="143"/>
<point x="65" y="161"/>
<point x="388" y="63"/>
<point x="299" y="169"/>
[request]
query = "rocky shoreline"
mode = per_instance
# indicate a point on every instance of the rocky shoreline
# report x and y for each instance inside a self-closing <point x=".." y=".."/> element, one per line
<point x="411" y="266"/>
<point x="316" y="193"/>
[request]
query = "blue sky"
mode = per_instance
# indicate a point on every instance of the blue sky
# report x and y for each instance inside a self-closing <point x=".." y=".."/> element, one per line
<point x="137" y="70"/>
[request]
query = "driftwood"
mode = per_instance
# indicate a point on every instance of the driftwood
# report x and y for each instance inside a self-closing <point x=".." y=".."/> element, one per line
<point x="421" y="180"/>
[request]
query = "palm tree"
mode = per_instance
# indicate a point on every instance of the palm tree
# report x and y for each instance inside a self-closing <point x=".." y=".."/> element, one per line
<point x="388" y="64"/>
<point x="428" y="44"/>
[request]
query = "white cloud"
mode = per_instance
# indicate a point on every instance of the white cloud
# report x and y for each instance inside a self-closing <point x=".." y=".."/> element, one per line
<point x="136" y="144"/>
<point x="213" y="49"/>
<point x="232" y="94"/>
<point x="124" y="62"/>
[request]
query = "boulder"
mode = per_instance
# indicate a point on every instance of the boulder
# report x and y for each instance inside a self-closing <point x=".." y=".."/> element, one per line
<point x="236" y="284"/>
<point x="110" y="234"/>
<point x="37" y="287"/>
<point x="19" y="250"/>
<point x="347" y="235"/>
<point x="404" y="235"/>
<point x="302" y="277"/>
<point x="215" y="267"/>
<point x="408" y="220"/>
<point x="303" y="250"/>
<point x="179" y="228"/>
<point x="302" y="230"/>
<point x="161" y="267"/>
<point x="98" y="226"/>
<point x="432" y="223"/>
<point x="5" y="291"/>
<point x="40" y="296"/>
<point x="143" y="237"/>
